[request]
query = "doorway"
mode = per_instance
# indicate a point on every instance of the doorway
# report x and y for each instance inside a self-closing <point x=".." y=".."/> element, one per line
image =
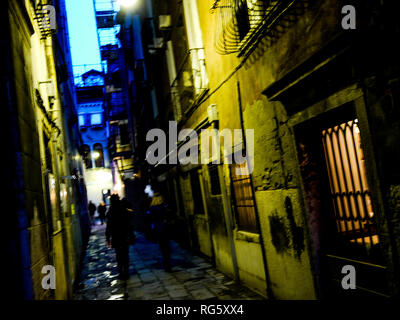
<point x="339" y="204"/>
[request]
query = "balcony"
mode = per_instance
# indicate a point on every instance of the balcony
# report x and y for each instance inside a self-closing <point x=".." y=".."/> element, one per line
<point x="242" y="23"/>
<point x="190" y="83"/>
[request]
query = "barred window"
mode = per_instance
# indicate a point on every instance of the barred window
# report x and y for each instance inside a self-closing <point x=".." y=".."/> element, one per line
<point x="350" y="192"/>
<point x="242" y="192"/>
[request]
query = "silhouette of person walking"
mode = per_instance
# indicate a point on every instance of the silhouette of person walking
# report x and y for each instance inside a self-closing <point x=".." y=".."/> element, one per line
<point x="92" y="210"/>
<point x="119" y="234"/>
<point x="101" y="209"/>
<point x="160" y="217"/>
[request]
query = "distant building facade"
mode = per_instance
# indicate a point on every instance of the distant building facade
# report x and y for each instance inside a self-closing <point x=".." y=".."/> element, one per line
<point x="94" y="128"/>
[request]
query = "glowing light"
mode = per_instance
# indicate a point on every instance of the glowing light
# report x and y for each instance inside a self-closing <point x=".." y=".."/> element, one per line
<point x="95" y="154"/>
<point x="118" y="187"/>
<point x="127" y="3"/>
<point x="149" y="191"/>
<point x="104" y="177"/>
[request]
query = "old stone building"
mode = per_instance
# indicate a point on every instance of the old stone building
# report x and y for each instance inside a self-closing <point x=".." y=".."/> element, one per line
<point x="46" y="220"/>
<point x="321" y="94"/>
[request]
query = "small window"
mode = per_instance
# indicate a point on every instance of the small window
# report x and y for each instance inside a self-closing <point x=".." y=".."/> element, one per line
<point x="196" y="192"/>
<point x="214" y="179"/>
<point x="81" y="120"/>
<point x="123" y="134"/>
<point x="242" y="192"/>
<point x="96" y="119"/>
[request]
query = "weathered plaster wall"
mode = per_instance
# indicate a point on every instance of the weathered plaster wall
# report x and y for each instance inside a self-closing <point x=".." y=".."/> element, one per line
<point x="280" y="205"/>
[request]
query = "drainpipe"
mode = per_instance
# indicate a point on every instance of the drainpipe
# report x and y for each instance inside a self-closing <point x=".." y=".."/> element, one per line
<point x="269" y="292"/>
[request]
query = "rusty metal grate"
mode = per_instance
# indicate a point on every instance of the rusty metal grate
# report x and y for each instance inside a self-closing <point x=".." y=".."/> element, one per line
<point x="350" y="192"/>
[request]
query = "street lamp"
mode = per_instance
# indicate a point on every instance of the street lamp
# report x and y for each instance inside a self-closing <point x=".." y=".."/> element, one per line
<point x="127" y="3"/>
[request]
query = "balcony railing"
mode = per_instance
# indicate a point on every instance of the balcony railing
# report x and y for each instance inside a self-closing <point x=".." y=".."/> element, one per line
<point x="191" y="81"/>
<point x="239" y="22"/>
<point x="46" y="18"/>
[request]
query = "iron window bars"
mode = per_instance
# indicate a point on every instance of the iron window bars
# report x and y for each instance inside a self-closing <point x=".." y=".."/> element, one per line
<point x="244" y="198"/>
<point x="350" y="192"/>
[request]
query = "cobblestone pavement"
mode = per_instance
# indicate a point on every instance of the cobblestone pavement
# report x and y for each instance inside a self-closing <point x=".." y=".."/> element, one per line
<point x="192" y="277"/>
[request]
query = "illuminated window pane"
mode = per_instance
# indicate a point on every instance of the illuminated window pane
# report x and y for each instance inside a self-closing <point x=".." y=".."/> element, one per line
<point x="348" y="182"/>
<point x="96" y="119"/>
<point x="81" y="121"/>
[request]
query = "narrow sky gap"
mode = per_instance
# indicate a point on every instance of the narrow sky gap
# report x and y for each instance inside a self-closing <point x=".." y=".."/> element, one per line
<point x="83" y="36"/>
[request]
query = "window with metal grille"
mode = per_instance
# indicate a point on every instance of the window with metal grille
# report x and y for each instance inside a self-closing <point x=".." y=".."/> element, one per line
<point x="241" y="22"/>
<point x="244" y="198"/>
<point x="196" y="192"/>
<point x="214" y="179"/>
<point x="350" y="192"/>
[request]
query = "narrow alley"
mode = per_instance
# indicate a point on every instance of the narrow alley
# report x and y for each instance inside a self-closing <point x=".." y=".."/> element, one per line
<point x="262" y="137"/>
<point x="192" y="277"/>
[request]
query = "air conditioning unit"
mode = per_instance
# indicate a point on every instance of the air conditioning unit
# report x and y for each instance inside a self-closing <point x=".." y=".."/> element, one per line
<point x="164" y="22"/>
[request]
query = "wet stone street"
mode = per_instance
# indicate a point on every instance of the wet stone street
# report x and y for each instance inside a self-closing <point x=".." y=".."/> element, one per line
<point x="192" y="277"/>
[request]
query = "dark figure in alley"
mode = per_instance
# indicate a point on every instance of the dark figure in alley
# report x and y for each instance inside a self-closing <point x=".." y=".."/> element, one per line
<point x="161" y="218"/>
<point x="92" y="210"/>
<point x="101" y="209"/>
<point x="120" y="234"/>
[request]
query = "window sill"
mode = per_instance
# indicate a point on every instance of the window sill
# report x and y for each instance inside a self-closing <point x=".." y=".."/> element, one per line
<point x="246" y="236"/>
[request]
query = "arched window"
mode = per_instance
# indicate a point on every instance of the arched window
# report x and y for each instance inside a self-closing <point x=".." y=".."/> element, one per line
<point x="98" y="155"/>
<point x="86" y="156"/>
